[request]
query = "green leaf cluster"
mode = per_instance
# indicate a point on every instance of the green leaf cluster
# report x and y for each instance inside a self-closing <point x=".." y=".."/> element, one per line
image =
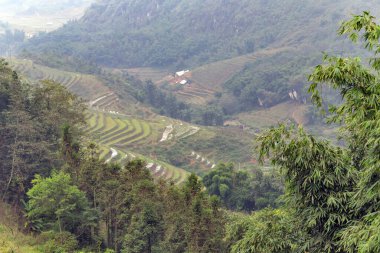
<point x="334" y="190"/>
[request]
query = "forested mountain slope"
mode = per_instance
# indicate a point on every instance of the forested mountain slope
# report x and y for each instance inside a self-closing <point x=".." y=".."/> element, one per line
<point x="243" y="55"/>
<point x="181" y="33"/>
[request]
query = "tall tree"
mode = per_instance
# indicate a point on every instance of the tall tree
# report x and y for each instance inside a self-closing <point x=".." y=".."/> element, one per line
<point x="360" y="89"/>
<point x="56" y="204"/>
<point x="335" y="190"/>
<point x="56" y="107"/>
<point x="318" y="180"/>
<point x="31" y="119"/>
<point x="24" y="151"/>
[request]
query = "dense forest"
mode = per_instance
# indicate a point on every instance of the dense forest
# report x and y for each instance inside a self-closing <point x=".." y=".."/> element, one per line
<point x="322" y="198"/>
<point x="182" y="33"/>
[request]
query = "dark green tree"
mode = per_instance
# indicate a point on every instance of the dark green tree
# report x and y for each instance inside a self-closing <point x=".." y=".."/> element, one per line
<point x="241" y="190"/>
<point x="144" y="231"/>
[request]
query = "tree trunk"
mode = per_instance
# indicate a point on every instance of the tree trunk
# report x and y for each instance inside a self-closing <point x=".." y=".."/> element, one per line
<point x="14" y="153"/>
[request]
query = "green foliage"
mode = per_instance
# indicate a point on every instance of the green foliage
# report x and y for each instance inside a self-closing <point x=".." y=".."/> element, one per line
<point x="318" y="180"/>
<point x="195" y="222"/>
<point x="30" y="123"/>
<point x="153" y="35"/>
<point x="57" y="107"/>
<point x="259" y="81"/>
<point x="60" y="242"/>
<point x="56" y="204"/>
<point x="143" y="232"/>
<point x="360" y="114"/>
<point x="163" y="103"/>
<point x="265" y="231"/>
<point x="240" y="190"/>
<point x="335" y="190"/>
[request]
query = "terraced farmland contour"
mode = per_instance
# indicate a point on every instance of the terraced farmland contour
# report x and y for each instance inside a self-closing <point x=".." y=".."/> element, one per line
<point x="117" y="135"/>
<point x="87" y="86"/>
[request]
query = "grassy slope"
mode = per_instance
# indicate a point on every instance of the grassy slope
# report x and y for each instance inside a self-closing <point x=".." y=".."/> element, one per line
<point x="264" y="118"/>
<point x="214" y="75"/>
<point x="16" y="242"/>
<point x="11" y="239"/>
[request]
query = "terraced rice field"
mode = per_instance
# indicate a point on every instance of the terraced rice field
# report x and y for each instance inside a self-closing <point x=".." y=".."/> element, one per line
<point x="155" y="75"/>
<point x="264" y="118"/>
<point x="205" y="80"/>
<point x="117" y="130"/>
<point x="108" y="102"/>
<point x="117" y="135"/>
<point x="159" y="169"/>
<point x="212" y="76"/>
<point x="87" y="86"/>
<point x="195" y="94"/>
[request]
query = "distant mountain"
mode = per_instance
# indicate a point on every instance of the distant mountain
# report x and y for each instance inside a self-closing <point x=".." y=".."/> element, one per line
<point x="133" y="33"/>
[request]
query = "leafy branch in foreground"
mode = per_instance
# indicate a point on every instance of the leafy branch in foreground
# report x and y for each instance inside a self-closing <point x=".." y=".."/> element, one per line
<point x="318" y="180"/>
<point x="335" y="191"/>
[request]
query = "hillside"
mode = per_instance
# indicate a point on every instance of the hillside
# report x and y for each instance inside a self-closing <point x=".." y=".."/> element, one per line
<point x="124" y="128"/>
<point x="152" y="126"/>
<point x="184" y="33"/>
<point x="243" y="55"/>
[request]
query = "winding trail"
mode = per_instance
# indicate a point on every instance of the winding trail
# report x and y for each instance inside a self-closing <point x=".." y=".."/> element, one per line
<point x="193" y="131"/>
<point x="92" y="103"/>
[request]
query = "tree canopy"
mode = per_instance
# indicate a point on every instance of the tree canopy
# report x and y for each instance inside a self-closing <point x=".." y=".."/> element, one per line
<point x="334" y="190"/>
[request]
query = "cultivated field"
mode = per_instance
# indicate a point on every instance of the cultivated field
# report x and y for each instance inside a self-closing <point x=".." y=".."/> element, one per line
<point x="205" y="80"/>
<point x="86" y="86"/>
<point x="212" y="76"/>
<point x="124" y="130"/>
<point x="265" y="118"/>
<point x="118" y="136"/>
